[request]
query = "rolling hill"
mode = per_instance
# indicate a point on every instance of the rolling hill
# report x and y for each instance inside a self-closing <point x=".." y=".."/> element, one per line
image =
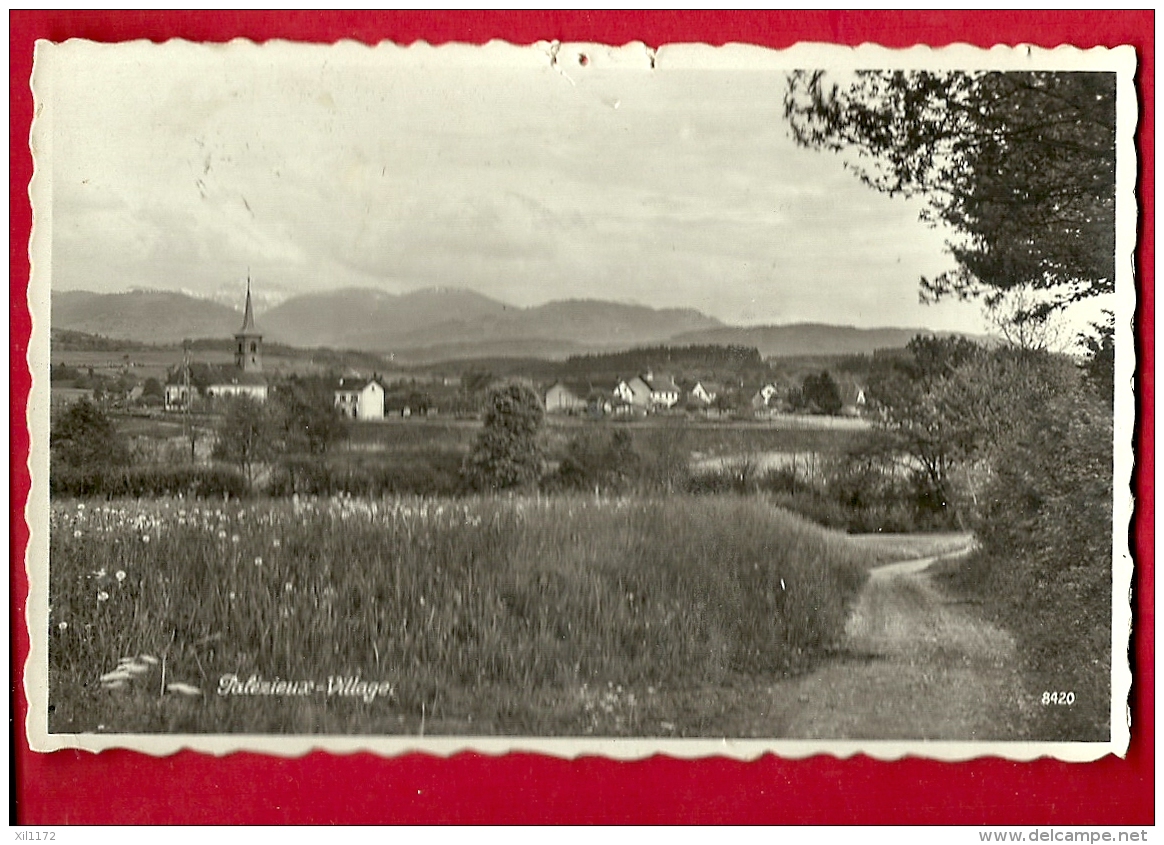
<point x="438" y="324"/>
<point x="162" y="317"/>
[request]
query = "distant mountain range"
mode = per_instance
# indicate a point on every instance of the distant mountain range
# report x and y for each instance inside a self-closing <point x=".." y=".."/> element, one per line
<point x="439" y="324"/>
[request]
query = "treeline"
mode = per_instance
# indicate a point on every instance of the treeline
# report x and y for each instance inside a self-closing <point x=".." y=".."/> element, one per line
<point x="728" y="359"/>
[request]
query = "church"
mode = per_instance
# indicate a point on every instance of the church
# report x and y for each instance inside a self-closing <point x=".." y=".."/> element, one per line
<point x="245" y="378"/>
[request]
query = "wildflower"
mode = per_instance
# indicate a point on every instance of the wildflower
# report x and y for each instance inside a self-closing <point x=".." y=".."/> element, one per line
<point x="145" y="538"/>
<point x="63" y="625"/>
<point x="133" y="666"/>
<point x="234" y="538"/>
<point x="276" y="542"/>
<point x="232" y="596"/>
<point x="288" y="587"/>
<point x="80" y="506"/>
<point x="221" y="535"/>
<point x="119" y="575"/>
<point x="77" y="533"/>
<point x="100" y="573"/>
<point x="259" y="561"/>
<point x="183" y="689"/>
<point x="102" y="596"/>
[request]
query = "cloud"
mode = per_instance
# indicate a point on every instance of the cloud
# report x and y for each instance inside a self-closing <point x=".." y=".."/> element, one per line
<point x="180" y="166"/>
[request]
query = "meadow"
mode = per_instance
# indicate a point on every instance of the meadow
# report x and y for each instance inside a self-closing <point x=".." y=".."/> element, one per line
<point x="705" y="439"/>
<point x="569" y="615"/>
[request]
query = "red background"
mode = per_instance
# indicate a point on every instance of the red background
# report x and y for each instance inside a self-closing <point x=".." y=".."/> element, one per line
<point x="127" y="788"/>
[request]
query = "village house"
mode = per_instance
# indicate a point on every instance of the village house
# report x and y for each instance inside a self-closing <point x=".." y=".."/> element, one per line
<point x="701" y="394"/>
<point x="853" y="402"/>
<point x="635" y="393"/>
<point x="563" y="399"/>
<point x="763" y="398"/>
<point x="360" y="398"/>
<point x="664" y="392"/>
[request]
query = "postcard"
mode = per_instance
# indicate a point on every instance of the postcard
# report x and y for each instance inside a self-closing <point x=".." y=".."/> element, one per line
<point x="581" y="399"/>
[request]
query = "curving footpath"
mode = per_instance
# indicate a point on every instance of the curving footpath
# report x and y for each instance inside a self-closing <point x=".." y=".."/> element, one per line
<point x="914" y="665"/>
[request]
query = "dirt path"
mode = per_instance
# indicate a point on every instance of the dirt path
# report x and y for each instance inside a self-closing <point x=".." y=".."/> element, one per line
<point x="914" y="665"/>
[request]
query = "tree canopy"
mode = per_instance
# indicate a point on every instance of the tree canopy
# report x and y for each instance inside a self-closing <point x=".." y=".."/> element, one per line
<point x="83" y="437"/>
<point x="245" y="435"/>
<point x="506" y="453"/>
<point x="306" y="416"/>
<point x="820" y="394"/>
<point x="1020" y="166"/>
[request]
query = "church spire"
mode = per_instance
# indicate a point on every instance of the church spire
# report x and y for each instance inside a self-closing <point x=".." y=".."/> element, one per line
<point x="248" y="351"/>
<point x="248" y="326"/>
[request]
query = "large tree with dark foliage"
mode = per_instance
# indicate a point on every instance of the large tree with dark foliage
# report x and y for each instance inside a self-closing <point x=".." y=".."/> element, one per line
<point x="305" y="415"/>
<point x="1020" y="165"/>
<point x="84" y="438"/>
<point x="820" y="394"/>
<point x="506" y="453"/>
<point x="246" y="435"/>
<point x="911" y="397"/>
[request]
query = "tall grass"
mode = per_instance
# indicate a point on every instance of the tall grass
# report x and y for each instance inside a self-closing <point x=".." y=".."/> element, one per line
<point x="531" y="599"/>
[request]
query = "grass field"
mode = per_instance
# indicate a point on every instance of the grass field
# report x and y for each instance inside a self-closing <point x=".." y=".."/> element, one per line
<point x="702" y="439"/>
<point x="564" y="616"/>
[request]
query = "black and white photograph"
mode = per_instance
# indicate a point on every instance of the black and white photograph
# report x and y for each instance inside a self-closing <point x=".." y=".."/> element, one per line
<point x="581" y="399"/>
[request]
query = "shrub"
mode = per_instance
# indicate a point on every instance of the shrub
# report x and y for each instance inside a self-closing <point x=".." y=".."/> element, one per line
<point x="594" y="461"/>
<point x="148" y="481"/>
<point x="1046" y="535"/>
<point x="1043" y="514"/>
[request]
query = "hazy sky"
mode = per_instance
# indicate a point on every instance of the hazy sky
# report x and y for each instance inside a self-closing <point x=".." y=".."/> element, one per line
<point x="180" y="167"/>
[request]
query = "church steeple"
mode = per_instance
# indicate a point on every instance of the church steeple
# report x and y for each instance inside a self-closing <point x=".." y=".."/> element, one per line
<point x="249" y="315"/>
<point x="248" y="350"/>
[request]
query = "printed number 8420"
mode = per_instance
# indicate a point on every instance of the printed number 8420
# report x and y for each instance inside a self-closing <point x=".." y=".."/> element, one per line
<point x="1059" y="698"/>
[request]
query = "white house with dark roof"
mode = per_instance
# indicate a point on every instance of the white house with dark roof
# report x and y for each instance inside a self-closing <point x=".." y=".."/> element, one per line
<point x="701" y="394"/>
<point x="635" y="392"/>
<point x="664" y="392"/>
<point x="360" y="398"/>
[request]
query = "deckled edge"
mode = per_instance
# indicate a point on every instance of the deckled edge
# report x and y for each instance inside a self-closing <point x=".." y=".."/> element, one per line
<point x="1124" y="407"/>
<point x="1121" y="60"/>
<point x="36" y="509"/>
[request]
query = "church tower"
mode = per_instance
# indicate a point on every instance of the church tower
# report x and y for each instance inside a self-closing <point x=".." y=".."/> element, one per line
<point x="248" y="342"/>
